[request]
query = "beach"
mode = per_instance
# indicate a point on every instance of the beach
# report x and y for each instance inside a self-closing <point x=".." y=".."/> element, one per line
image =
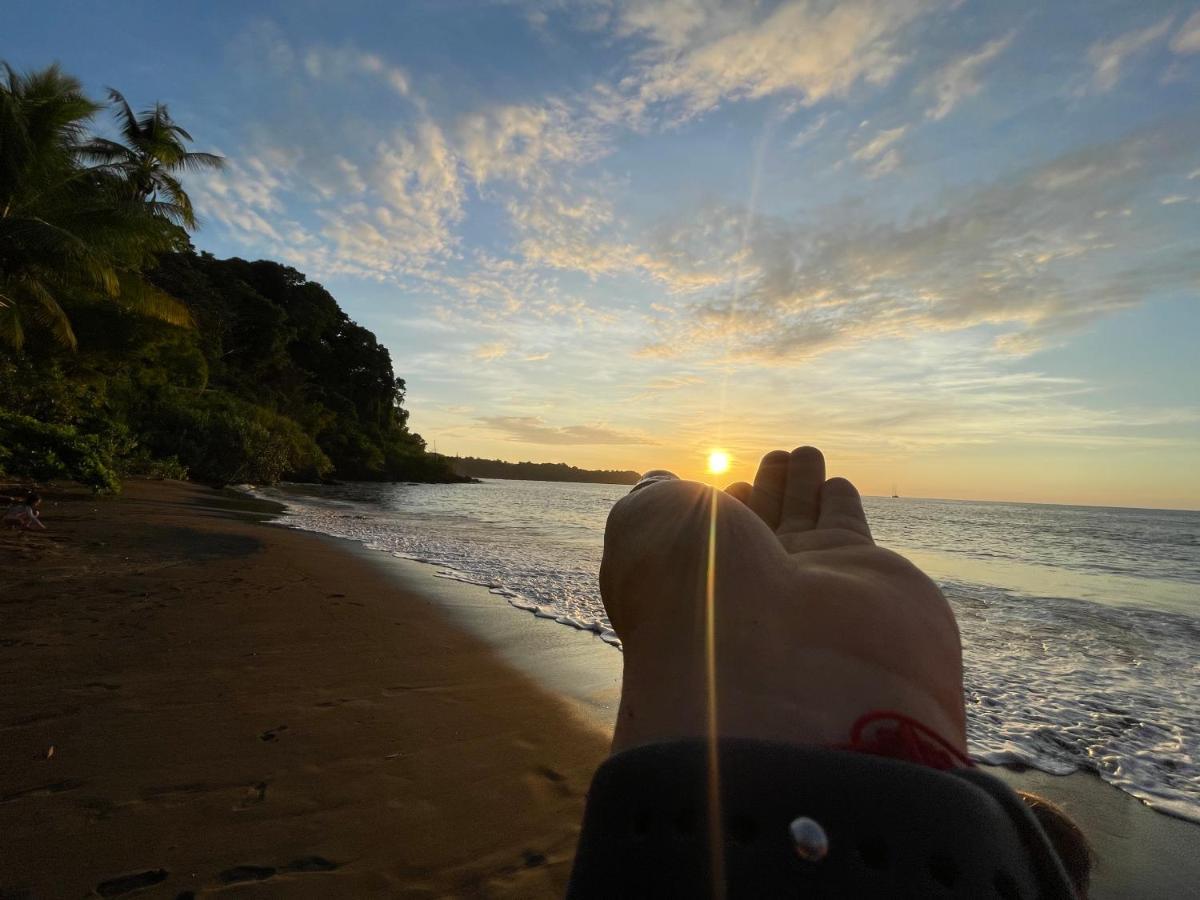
<point x="196" y="701"/>
<point x="199" y="702"/>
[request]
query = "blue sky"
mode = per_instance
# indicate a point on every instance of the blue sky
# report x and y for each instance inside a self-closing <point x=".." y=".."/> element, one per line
<point x="953" y="243"/>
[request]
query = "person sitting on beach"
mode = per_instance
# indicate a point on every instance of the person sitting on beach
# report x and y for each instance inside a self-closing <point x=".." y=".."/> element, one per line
<point x="24" y="513"/>
<point x="792" y="720"/>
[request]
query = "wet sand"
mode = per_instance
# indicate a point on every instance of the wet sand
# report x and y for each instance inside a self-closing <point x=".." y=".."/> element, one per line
<point x="239" y="708"/>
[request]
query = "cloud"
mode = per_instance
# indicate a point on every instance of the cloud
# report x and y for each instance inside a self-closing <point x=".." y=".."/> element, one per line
<point x="518" y="142"/>
<point x="809" y="131"/>
<point x="384" y="217"/>
<point x="413" y="198"/>
<point x="1108" y="57"/>
<point x="1187" y="38"/>
<point x="1027" y="258"/>
<point x="264" y="42"/>
<point x="699" y="54"/>
<point x="886" y="164"/>
<point x="488" y="352"/>
<point x="576" y="231"/>
<point x="881" y="142"/>
<point x="245" y="195"/>
<point x="878" y="151"/>
<point x="666" y="384"/>
<point x="339" y="63"/>
<point x="532" y="430"/>
<point x="959" y="79"/>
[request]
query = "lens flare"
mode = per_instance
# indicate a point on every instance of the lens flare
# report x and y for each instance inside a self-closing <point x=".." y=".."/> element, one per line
<point x="718" y="462"/>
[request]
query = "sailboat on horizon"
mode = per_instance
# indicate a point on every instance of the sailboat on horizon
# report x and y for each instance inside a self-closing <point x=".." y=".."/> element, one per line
<point x="895" y="496"/>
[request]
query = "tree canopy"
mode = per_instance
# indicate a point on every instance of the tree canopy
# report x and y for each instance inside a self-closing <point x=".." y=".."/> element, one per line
<point x="531" y="471"/>
<point x="67" y="228"/>
<point x="122" y="350"/>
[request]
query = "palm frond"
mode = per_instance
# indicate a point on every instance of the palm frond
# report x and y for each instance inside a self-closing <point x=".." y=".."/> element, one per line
<point x="144" y="298"/>
<point x="177" y="213"/>
<point x="82" y="216"/>
<point x="102" y="150"/>
<point x="125" y="117"/>
<point x="200" y="162"/>
<point x="50" y="314"/>
<point x="11" y="332"/>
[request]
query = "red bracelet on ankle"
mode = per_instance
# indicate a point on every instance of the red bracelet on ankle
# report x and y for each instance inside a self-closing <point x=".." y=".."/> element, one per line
<point x="882" y="732"/>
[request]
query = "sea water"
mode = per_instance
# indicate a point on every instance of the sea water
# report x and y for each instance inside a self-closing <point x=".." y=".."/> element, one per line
<point x="1080" y="625"/>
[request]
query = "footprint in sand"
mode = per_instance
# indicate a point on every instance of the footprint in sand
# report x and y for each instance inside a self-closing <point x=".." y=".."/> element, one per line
<point x="58" y="787"/>
<point x="247" y="873"/>
<point x="239" y="874"/>
<point x="557" y="781"/>
<point x="127" y="884"/>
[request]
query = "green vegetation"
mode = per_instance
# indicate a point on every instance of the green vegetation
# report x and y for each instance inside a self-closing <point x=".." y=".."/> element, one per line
<point x="531" y="471"/>
<point x="122" y="351"/>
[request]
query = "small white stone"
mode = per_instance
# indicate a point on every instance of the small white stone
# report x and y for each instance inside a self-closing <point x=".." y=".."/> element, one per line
<point x="812" y="844"/>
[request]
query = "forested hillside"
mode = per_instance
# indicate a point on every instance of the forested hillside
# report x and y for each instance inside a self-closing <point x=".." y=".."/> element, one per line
<point x="273" y="381"/>
<point x="122" y="351"/>
<point x="531" y="471"/>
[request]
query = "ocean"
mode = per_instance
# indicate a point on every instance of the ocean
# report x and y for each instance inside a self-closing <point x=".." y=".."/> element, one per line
<point x="1080" y="625"/>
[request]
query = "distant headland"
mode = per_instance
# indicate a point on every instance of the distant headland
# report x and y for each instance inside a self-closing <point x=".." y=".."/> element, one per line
<point x="530" y="471"/>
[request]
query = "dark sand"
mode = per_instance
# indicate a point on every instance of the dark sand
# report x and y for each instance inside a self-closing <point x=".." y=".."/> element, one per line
<point x="242" y="709"/>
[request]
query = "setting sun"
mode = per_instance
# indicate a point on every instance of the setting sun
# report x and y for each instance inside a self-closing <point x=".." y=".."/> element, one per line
<point x="718" y="462"/>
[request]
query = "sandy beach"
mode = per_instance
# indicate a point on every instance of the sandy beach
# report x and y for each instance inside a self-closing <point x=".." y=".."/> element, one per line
<point x="198" y="702"/>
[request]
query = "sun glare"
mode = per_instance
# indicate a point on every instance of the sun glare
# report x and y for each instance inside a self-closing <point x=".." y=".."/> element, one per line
<point x="718" y="462"/>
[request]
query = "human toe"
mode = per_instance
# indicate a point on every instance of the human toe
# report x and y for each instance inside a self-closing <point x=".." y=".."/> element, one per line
<point x="766" y="498"/>
<point x="802" y="493"/>
<point x="841" y="507"/>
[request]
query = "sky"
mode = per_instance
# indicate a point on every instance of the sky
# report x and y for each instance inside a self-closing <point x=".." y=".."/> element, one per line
<point x="953" y="244"/>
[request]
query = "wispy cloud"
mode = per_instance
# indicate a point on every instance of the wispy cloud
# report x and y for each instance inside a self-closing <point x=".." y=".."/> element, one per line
<point x="494" y="350"/>
<point x="882" y="140"/>
<point x="1187" y="38"/>
<point x="533" y="430"/>
<point x="339" y="63"/>
<point x="521" y="142"/>
<point x="700" y="54"/>
<point x="809" y="131"/>
<point x="959" y="79"/>
<point x="1021" y="257"/>
<point x="1107" y="58"/>
<point x="880" y="152"/>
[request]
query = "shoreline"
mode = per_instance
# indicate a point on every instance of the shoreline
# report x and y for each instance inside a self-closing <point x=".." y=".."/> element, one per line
<point x="234" y="706"/>
<point x="1139" y="850"/>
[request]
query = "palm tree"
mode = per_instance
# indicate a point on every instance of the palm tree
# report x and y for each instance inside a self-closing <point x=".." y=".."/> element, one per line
<point x="153" y="149"/>
<point x="69" y="231"/>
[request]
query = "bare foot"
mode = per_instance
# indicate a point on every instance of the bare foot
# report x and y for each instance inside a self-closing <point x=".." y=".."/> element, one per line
<point x="813" y="624"/>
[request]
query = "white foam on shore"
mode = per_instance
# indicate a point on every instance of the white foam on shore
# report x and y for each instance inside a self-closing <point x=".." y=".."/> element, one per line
<point x="1057" y="683"/>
